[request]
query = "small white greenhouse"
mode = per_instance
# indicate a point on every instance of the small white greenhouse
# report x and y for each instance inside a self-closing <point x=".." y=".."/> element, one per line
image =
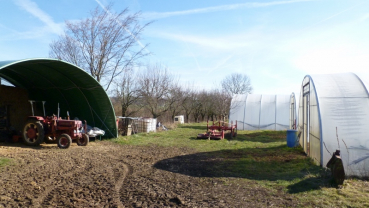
<point x="334" y="115"/>
<point x="264" y="112"/>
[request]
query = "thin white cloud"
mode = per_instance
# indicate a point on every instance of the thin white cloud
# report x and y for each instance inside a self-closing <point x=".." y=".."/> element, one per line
<point x="158" y="15"/>
<point x="364" y="17"/>
<point x="337" y="47"/>
<point x="194" y="57"/>
<point x="9" y="34"/>
<point x="32" y="8"/>
<point x="328" y="18"/>
<point x="225" y="43"/>
<point x="6" y="30"/>
<point x="334" y="59"/>
<point x="222" y="63"/>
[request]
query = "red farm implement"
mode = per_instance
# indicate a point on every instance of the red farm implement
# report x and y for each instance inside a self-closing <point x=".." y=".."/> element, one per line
<point x="38" y="128"/>
<point x="218" y="130"/>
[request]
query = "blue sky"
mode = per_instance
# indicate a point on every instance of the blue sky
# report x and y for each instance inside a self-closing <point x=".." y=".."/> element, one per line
<point x="275" y="42"/>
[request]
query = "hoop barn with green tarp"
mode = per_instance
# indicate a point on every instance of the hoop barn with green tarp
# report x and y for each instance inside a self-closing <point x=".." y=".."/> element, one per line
<point x="60" y="82"/>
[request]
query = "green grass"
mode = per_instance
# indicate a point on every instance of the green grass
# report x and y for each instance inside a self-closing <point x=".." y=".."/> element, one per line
<point x="185" y="136"/>
<point x="264" y="157"/>
<point x="4" y="161"/>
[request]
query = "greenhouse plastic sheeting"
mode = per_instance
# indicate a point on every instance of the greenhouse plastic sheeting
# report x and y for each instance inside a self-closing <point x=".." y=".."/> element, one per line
<point x="335" y="108"/>
<point x="266" y="112"/>
<point x="59" y="82"/>
<point x="238" y="107"/>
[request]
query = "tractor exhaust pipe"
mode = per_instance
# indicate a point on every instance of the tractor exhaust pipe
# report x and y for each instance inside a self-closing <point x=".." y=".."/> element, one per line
<point x="58" y="111"/>
<point x="43" y="107"/>
<point x="31" y="101"/>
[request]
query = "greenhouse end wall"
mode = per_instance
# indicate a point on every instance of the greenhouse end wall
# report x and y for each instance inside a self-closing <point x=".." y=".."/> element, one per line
<point x="262" y="112"/>
<point x="334" y="115"/>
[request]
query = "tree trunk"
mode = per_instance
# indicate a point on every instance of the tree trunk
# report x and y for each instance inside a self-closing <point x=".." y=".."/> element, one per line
<point x="187" y="117"/>
<point x="124" y="110"/>
<point x="203" y="117"/>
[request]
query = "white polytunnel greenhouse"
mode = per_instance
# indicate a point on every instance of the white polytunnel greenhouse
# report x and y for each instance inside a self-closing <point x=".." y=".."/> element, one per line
<point x="263" y="112"/>
<point x="334" y="115"/>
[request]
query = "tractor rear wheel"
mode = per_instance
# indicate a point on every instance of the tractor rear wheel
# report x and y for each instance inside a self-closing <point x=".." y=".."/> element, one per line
<point x="64" y="141"/>
<point x="33" y="133"/>
<point x="83" y="141"/>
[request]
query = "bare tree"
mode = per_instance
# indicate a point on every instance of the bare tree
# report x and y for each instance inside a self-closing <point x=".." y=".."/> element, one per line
<point x="188" y="102"/>
<point x="237" y="84"/>
<point x="104" y="45"/>
<point x="156" y="89"/>
<point x="207" y="105"/>
<point x="222" y="103"/>
<point x="67" y="49"/>
<point x="197" y="106"/>
<point x="127" y="93"/>
<point x="177" y="96"/>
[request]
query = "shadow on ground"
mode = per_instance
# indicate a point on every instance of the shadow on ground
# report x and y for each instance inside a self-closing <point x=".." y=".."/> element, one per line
<point x="310" y="184"/>
<point x="271" y="164"/>
<point x="262" y="137"/>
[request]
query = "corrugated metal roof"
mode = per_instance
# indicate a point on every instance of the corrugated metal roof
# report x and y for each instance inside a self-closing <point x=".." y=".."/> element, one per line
<point x="56" y="81"/>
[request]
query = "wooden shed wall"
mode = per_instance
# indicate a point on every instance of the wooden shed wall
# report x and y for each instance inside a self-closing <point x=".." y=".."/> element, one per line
<point x="19" y="107"/>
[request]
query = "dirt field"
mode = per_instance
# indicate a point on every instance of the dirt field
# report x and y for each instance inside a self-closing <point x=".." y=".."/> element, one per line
<point x="103" y="174"/>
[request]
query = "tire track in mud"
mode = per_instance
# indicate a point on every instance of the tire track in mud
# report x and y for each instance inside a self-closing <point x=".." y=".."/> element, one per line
<point x="63" y="188"/>
<point x="25" y="171"/>
<point x="115" y="170"/>
<point x="143" y="191"/>
<point x="51" y="183"/>
<point x="107" y="173"/>
<point x="38" y="174"/>
<point x="70" y="182"/>
<point x="119" y="170"/>
<point x="145" y="187"/>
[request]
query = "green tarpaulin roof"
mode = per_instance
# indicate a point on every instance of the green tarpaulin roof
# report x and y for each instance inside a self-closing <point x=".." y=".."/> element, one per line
<point x="56" y="81"/>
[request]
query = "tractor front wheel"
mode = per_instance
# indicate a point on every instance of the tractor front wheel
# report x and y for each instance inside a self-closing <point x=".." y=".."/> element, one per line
<point x="64" y="141"/>
<point x="83" y="141"/>
<point x="33" y="133"/>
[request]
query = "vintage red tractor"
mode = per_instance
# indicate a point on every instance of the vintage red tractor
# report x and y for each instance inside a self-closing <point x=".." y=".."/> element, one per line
<point x="39" y="129"/>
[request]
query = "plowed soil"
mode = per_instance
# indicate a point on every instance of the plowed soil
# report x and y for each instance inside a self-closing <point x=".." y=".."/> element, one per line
<point x="104" y="174"/>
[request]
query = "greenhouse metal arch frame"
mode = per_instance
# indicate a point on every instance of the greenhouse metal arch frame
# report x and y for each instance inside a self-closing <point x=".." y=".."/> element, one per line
<point x="334" y="115"/>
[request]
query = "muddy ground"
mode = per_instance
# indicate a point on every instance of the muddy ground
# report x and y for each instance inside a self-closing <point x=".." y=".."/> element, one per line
<point x="104" y="174"/>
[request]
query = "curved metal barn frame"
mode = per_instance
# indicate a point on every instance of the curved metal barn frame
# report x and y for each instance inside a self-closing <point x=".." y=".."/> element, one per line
<point x="56" y="81"/>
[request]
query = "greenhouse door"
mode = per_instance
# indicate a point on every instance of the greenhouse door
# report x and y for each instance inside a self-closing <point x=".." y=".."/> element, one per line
<point x="306" y="120"/>
<point x="292" y="116"/>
